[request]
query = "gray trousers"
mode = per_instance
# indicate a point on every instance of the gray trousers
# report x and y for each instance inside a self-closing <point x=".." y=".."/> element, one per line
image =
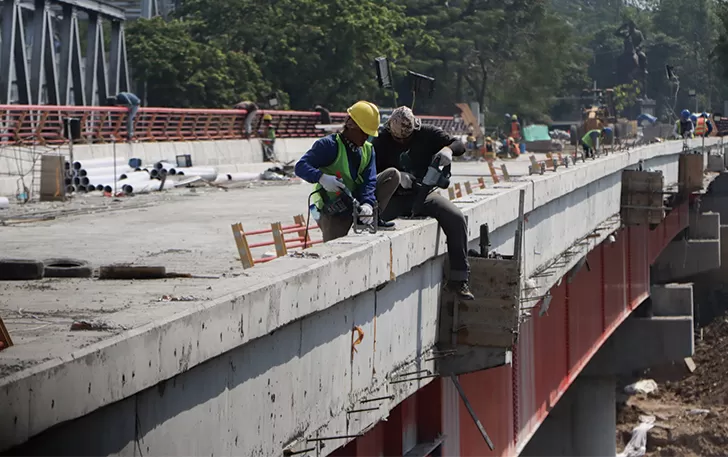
<point x="333" y="227"/>
<point x="130" y="121"/>
<point x="450" y="218"/>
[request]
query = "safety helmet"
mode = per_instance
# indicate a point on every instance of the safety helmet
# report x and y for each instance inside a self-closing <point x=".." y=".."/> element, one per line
<point x="402" y="122"/>
<point x="508" y="116"/>
<point x="694" y="118"/>
<point x="704" y="114"/>
<point x="514" y="118"/>
<point x="685" y="114"/>
<point x="607" y="130"/>
<point x="267" y="117"/>
<point x="366" y="116"/>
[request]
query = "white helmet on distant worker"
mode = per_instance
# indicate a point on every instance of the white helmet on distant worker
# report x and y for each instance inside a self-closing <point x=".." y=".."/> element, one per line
<point x="402" y="123"/>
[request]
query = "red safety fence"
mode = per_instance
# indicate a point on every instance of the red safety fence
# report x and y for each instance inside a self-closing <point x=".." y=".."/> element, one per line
<point x="43" y="124"/>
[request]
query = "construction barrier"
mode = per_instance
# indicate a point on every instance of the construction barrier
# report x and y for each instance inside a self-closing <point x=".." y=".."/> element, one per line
<point x="279" y="239"/>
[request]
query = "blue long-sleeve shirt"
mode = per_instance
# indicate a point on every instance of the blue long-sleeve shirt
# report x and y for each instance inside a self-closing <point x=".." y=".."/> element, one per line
<point x="323" y="153"/>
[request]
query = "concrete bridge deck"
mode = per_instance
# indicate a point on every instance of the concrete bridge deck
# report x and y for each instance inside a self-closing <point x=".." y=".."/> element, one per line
<point x="53" y="375"/>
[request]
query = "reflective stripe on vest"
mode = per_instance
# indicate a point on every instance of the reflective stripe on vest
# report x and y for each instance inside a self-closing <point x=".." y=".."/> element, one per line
<point x="341" y="165"/>
<point x="701" y="128"/>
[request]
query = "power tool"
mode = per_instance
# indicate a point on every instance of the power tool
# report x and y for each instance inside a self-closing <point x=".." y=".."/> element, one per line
<point x="345" y="202"/>
<point x="435" y="177"/>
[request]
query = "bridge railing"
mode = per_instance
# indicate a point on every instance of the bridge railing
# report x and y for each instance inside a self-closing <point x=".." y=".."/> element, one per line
<point x="43" y="124"/>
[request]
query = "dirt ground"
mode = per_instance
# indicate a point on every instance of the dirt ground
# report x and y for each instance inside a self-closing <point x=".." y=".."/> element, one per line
<point x="691" y="413"/>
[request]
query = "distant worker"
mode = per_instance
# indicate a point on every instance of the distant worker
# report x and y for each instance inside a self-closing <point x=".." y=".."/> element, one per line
<point x="131" y="102"/>
<point x="250" y="108"/>
<point x="410" y="147"/>
<point x="590" y="141"/>
<point x="347" y="161"/>
<point x="505" y="133"/>
<point x="268" y="135"/>
<point x="324" y="115"/>
<point x="703" y="126"/>
<point x="684" y="126"/>
<point x="515" y="131"/>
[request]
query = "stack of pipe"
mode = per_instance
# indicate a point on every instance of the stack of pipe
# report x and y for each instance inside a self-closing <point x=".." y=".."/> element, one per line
<point x="98" y="174"/>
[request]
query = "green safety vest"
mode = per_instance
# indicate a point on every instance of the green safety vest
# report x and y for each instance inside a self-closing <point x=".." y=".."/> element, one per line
<point x="587" y="139"/>
<point x="341" y="165"/>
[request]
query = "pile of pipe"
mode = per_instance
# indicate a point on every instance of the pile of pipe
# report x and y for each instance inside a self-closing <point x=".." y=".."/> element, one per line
<point x="167" y="168"/>
<point x="104" y="175"/>
<point x="116" y="175"/>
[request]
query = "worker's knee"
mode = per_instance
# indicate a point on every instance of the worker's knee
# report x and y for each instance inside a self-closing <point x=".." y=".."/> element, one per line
<point x="391" y="174"/>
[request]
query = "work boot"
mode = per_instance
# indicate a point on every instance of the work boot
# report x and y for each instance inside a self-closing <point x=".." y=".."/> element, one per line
<point x="385" y="225"/>
<point x="462" y="289"/>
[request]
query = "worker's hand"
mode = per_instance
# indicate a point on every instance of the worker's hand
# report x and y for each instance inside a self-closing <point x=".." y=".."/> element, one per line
<point x="445" y="156"/>
<point x="331" y="183"/>
<point x="406" y="180"/>
<point x="366" y="214"/>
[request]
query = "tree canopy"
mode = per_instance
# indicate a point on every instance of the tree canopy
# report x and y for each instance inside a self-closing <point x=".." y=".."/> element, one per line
<point x="518" y="56"/>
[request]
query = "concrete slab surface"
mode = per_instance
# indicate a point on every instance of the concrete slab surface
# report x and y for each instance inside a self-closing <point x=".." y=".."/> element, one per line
<point x="185" y="230"/>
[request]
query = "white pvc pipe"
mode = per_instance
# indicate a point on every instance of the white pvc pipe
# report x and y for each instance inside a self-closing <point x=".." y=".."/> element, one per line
<point x="237" y="177"/>
<point x="163" y="164"/>
<point x="206" y="173"/>
<point x="70" y="189"/>
<point x="145" y="187"/>
<point x="103" y="171"/>
<point x="100" y="163"/>
<point x="131" y="177"/>
<point x="109" y="179"/>
<point x="4" y="203"/>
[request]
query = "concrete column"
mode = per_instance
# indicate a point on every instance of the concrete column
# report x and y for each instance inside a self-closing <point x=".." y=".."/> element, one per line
<point x="583" y="422"/>
<point x="594" y="416"/>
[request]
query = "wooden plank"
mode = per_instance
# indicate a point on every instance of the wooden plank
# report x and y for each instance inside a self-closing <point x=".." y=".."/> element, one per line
<point x="487" y="338"/>
<point x="481" y="183"/>
<point x="300" y="220"/>
<point x="246" y="258"/>
<point x="690" y="172"/>
<point x="506" y="176"/>
<point x="451" y="193"/>
<point x="468" y="188"/>
<point x="280" y="243"/>
<point x="52" y="178"/>
<point x="458" y="190"/>
<point x="493" y="173"/>
<point x="493" y="277"/>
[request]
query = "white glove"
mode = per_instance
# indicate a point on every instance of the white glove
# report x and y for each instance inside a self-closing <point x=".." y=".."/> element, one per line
<point x="366" y="214"/>
<point x="445" y="156"/>
<point x="331" y="183"/>
<point x="406" y="180"/>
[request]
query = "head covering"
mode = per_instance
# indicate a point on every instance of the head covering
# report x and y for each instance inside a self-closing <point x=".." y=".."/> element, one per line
<point x="402" y="122"/>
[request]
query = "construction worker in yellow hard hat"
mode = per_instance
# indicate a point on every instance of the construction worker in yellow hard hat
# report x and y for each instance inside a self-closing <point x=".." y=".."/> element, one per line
<point x="268" y="137"/>
<point x="345" y="161"/>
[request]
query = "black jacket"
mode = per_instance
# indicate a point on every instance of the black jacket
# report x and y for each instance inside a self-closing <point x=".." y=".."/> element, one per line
<point x="424" y="144"/>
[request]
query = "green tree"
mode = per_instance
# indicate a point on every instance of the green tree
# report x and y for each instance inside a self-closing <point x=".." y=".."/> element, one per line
<point x="181" y="72"/>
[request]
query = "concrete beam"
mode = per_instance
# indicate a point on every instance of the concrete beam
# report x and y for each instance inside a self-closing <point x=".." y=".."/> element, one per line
<point x="704" y="226"/>
<point x="672" y="300"/>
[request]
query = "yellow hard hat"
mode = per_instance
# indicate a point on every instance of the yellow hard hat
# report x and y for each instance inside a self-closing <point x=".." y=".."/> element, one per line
<point x="366" y="116"/>
<point x="267" y="117"/>
<point x="514" y="118"/>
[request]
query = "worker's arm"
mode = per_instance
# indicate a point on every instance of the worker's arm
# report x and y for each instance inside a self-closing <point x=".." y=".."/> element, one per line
<point x="322" y="153"/>
<point x="366" y="192"/>
<point x="442" y="139"/>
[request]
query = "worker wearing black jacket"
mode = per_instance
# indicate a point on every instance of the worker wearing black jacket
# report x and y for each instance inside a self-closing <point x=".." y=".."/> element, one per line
<point x="403" y="133"/>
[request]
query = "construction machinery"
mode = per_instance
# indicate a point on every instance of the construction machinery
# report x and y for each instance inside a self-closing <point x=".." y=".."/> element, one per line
<point x="598" y="111"/>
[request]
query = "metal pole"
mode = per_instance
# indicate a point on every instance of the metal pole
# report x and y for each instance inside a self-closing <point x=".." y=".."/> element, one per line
<point x="113" y="142"/>
<point x="478" y="424"/>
